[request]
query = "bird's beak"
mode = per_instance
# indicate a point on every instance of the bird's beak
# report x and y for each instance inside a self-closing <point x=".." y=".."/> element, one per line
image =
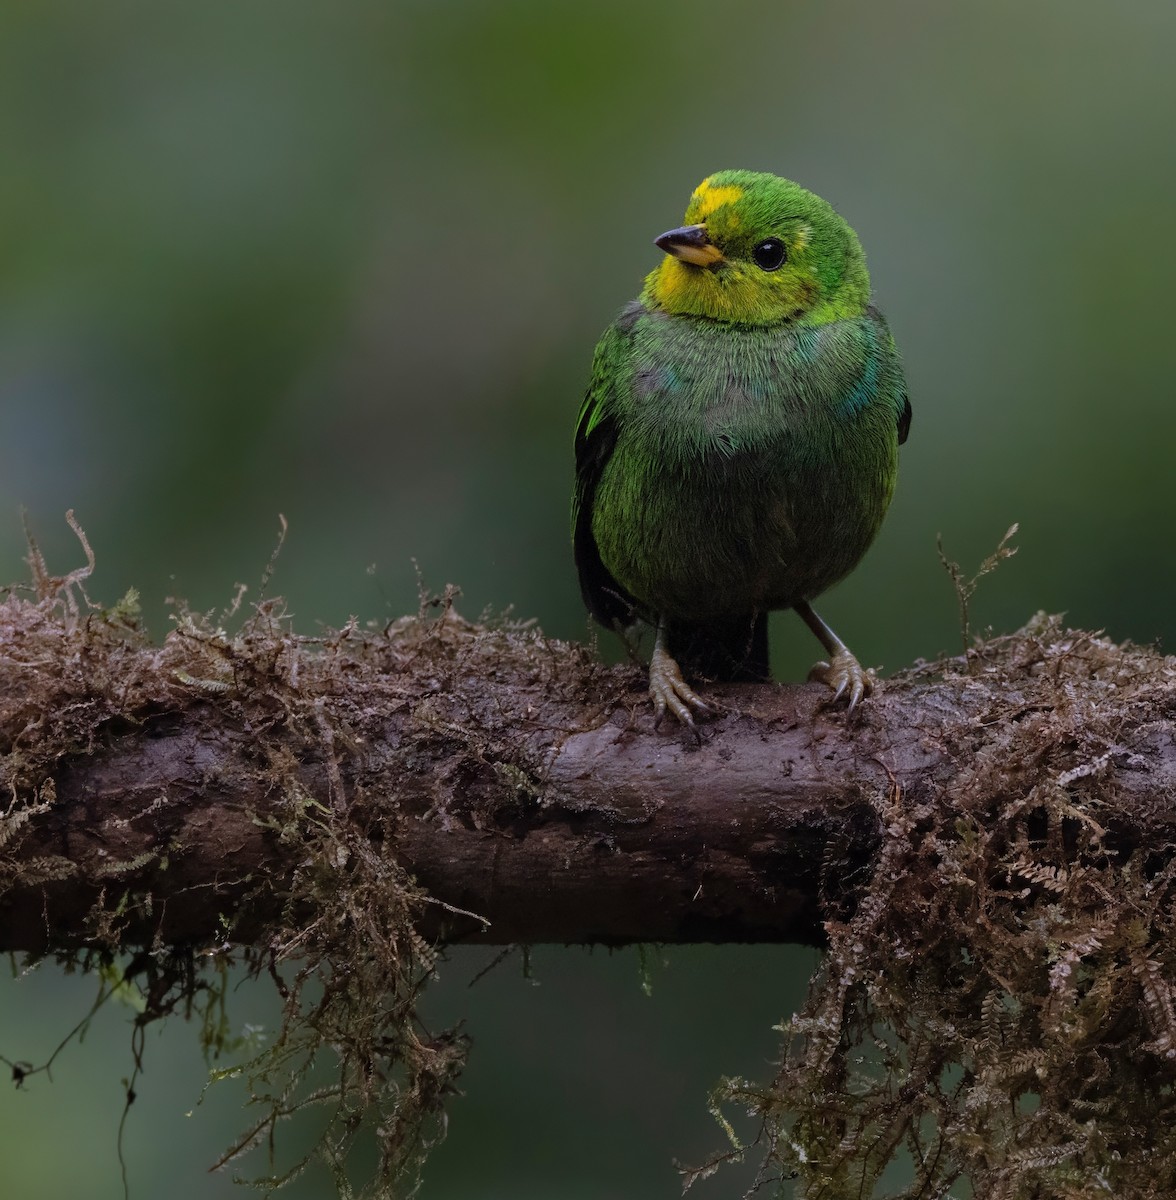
<point x="690" y="244"/>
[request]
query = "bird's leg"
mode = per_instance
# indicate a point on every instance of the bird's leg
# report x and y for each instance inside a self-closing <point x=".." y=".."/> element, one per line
<point x="667" y="688"/>
<point x="843" y="673"/>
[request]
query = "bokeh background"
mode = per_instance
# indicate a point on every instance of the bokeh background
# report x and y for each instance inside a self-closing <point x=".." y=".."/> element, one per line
<point x="347" y="263"/>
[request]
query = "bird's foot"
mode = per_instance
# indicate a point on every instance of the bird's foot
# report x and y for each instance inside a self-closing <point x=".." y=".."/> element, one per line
<point x="669" y="690"/>
<point x="846" y="676"/>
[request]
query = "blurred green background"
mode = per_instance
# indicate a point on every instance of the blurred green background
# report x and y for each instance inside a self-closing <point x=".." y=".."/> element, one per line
<point x="347" y="263"/>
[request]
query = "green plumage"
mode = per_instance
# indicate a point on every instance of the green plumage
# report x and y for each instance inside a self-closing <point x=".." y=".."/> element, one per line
<point x="728" y="467"/>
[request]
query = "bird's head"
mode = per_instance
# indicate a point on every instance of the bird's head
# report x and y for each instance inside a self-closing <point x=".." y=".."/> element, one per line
<point x="756" y="249"/>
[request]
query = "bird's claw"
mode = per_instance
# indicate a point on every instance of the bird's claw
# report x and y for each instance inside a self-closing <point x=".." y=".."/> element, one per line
<point x="669" y="690"/>
<point x="846" y="676"/>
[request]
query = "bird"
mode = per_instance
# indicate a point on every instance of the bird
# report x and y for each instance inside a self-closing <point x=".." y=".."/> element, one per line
<point x="737" y="448"/>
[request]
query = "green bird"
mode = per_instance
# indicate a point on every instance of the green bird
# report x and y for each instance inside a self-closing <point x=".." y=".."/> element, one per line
<point x="738" y="445"/>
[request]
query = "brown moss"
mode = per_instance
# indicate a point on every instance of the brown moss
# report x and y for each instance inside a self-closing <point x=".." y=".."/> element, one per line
<point x="344" y="955"/>
<point x="1000" y="1009"/>
<point x="997" y="1002"/>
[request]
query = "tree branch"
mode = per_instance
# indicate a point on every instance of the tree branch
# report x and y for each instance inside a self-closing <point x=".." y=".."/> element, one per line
<point x="157" y="791"/>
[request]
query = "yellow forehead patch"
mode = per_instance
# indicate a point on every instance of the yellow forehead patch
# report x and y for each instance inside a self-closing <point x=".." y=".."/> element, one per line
<point x="707" y="197"/>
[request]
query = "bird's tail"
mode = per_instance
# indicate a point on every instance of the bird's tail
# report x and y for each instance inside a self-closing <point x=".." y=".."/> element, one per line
<point x="734" y="651"/>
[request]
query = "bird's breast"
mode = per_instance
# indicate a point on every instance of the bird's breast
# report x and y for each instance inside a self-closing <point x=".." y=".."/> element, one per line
<point x="748" y="472"/>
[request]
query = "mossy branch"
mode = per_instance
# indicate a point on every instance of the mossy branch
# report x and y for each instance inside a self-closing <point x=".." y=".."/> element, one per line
<point x="159" y="793"/>
<point x="987" y="848"/>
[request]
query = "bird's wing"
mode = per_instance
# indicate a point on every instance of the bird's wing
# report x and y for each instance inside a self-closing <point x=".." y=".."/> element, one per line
<point x="898" y="391"/>
<point x="596" y="436"/>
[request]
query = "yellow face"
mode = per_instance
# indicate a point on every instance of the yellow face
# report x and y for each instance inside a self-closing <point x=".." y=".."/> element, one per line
<point x="759" y="252"/>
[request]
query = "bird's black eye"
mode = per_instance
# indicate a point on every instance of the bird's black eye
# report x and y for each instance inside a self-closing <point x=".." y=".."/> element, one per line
<point x="770" y="254"/>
